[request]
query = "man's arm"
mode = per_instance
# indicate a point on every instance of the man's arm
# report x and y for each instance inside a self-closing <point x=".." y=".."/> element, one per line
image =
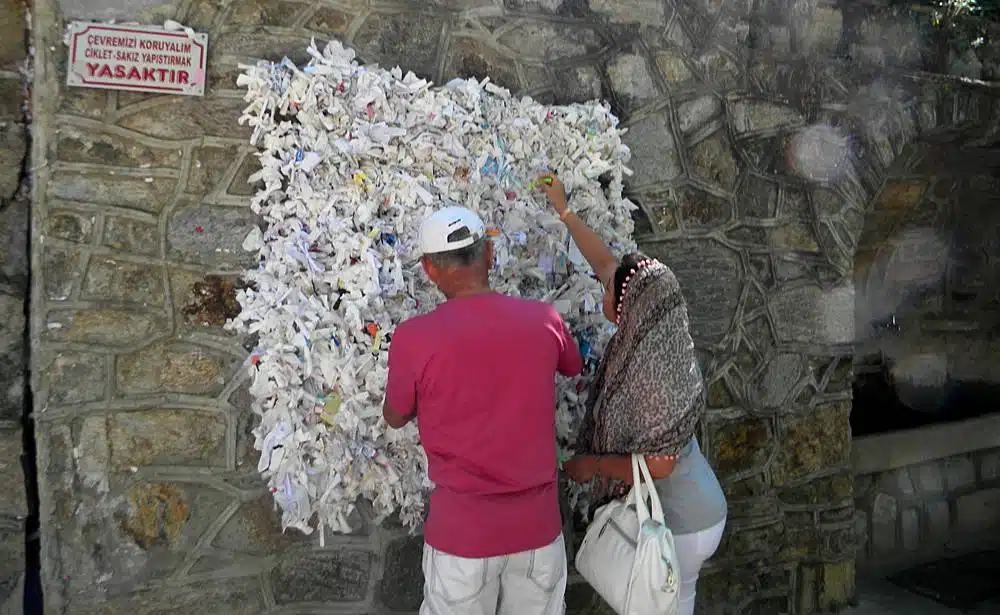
<point x="400" y="405"/>
<point x="393" y="418"/>
<point x="570" y="361"/>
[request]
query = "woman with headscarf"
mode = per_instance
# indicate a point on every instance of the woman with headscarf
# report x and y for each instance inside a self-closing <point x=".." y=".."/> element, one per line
<point x="647" y="398"/>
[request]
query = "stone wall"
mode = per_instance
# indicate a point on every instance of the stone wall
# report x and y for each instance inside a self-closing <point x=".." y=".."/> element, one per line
<point x="14" y="207"/>
<point x="924" y="512"/>
<point x="756" y="158"/>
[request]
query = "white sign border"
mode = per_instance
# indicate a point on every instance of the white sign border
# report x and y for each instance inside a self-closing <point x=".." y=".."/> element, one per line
<point x="79" y="28"/>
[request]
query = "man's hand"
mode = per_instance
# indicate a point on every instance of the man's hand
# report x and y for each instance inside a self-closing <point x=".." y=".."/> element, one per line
<point x="581" y="469"/>
<point x="393" y="418"/>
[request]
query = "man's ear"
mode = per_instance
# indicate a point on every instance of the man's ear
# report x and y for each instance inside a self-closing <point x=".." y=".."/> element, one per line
<point x="429" y="268"/>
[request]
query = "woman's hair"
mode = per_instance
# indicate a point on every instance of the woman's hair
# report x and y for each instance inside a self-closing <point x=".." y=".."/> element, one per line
<point x="628" y="263"/>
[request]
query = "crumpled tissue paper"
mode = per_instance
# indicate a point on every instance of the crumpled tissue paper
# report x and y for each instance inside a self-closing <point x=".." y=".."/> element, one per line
<point x="352" y="158"/>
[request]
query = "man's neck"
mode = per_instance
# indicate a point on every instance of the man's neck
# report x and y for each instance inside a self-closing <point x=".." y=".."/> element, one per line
<point x="470" y="291"/>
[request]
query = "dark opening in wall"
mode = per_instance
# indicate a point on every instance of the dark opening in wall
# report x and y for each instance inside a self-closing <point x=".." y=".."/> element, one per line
<point x="878" y="407"/>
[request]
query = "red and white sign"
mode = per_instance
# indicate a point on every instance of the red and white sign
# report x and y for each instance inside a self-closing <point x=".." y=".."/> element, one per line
<point x="136" y="58"/>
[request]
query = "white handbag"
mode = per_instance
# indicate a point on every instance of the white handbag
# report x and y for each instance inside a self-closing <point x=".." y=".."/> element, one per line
<point x="628" y="555"/>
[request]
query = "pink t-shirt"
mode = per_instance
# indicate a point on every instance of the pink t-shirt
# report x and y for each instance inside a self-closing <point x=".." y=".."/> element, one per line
<point x="479" y="373"/>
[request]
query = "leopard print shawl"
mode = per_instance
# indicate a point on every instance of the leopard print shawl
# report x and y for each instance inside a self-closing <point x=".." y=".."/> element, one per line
<point x="647" y="395"/>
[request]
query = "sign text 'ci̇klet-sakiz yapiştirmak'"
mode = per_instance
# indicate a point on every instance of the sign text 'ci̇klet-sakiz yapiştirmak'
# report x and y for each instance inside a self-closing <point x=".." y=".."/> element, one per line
<point x="137" y="58"/>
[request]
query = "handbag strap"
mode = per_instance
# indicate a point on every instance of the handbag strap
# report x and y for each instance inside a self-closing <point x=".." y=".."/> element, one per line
<point x="654" y="497"/>
<point x="636" y="495"/>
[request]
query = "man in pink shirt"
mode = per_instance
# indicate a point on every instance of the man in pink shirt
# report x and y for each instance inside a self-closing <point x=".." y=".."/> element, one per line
<point x="479" y="374"/>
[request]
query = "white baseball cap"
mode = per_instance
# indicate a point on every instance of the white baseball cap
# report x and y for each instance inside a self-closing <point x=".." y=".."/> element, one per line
<point x="443" y="230"/>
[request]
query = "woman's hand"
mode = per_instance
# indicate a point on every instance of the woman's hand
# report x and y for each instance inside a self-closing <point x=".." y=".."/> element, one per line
<point x="581" y="469"/>
<point x="554" y="190"/>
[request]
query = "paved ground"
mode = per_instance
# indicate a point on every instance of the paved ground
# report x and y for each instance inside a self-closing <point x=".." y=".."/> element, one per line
<point x="884" y="598"/>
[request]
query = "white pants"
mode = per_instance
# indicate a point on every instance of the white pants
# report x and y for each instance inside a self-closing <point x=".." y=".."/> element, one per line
<point x="526" y="583"/>
<point x="692" y="552"/>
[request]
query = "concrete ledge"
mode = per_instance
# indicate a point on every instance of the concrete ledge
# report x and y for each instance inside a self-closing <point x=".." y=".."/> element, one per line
<point x="882" y="452"/>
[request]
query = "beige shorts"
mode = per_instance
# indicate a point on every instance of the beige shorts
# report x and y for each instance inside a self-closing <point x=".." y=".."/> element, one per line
<point x="526" y="583"/>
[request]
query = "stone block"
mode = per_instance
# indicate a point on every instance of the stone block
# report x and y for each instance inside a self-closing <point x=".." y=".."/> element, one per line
<point x="885" y="511"/>
<point x="825" y="491"/>
<point x="631" y="81"/>
<point x="401" y="587"/>
<point x="210" y="167"/>
<point x="693" y="115"/>
<point x="818" y="441"/>
<point x="758" y="541"/>
<point x="700" y="210"/>
<point x="465" y="5"/>
<point x="713" y="162"/>
<point x="69" y="225"/>
<point x="837" y="591"/>
<point x="779" y="379"/>
<point x="340" y="575"/>
<point x="60" y="272"/>
<point x="675" y="70"/>
<point x="14" y="502"/>
<point x="408" y="41"/>
<point x="469" y="57"/>
<point x="74" y="378"/>
<point x="750" y="116"/>
<point x="76" y="145"/>
<point x="862" y="532"/>
<point x="332" y="22"/>
<point x="211" y="236"/>
<point x="168" y="519"/>
<point x="959" y="472"/>
<point x="105" y="327"/>
<point x="190" y="118"/>
<point x="240" y="185"/>
<point x="897" y="482"/>
<point x="741" y="446"/>
<point x="12" y="566"/>
<point x="265" y="13"/>
<point x="120" y="280"/>
<point x="544" y="41"/>
<point x="204" y="301"/>
<point x="989" y="466"/>
<point x="11" y="101"/>
<point x="929" y="478"/>
<point x="645" y="12"/>
<point x="757" y="199"/>
<point x="12" y="36"/>
<point x="14" y="241"/>
<point x="577" y="84"/>
<point x="809" y="314"/>
<point x="174" y="367"/>
<point x="165" y="438"/>
<point x="229" y="596"/>
<point x="131" y="235"/>
<point x="13" y="149"/>
<point x="12" y="357"/>
<point x="655" y="156"/>
<point x="143" y="193"/>
<point x="978" y="512"/>
<point x="709" y="275"/>
<point x="938" y="521"/>
<point x="256" y="529"/>
<point x="909" y="525"/>
<point x="719" y="69"/>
